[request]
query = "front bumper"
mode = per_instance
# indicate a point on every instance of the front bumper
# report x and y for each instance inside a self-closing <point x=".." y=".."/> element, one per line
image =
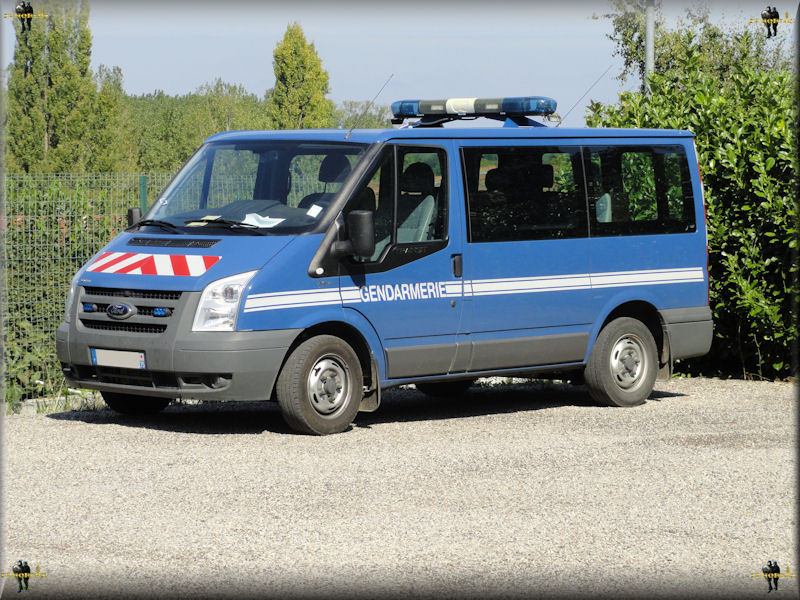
<point x="180" y="363"/>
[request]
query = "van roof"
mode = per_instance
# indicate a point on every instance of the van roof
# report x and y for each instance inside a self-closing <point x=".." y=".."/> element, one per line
<point x="369" y="136"/>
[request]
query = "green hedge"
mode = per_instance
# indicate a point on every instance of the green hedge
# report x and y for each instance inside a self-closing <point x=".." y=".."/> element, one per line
<point x="745" y="131"/>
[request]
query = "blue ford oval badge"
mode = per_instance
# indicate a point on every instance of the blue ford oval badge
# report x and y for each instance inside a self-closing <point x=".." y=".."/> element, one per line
<point x="120" y="311"/>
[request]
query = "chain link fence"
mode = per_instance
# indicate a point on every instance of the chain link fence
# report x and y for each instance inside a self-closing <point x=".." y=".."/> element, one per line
<point x="53" y="224"/>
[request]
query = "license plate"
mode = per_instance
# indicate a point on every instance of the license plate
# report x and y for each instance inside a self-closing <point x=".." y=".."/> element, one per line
<point x="118" y="358"/>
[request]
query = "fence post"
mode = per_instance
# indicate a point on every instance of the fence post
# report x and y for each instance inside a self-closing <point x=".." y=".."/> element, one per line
<point x="143" y="193"/>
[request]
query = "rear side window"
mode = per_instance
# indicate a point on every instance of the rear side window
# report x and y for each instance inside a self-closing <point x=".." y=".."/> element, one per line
<point x="524" y="193"/>
<point x="639" y="190"/>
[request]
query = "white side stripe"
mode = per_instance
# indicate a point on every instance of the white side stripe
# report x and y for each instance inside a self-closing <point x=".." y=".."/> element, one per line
<point x="481" y="287"/>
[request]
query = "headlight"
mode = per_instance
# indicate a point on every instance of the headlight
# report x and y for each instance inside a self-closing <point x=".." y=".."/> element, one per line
<point x="219" y="303"/>
<point x="73" y="288"/>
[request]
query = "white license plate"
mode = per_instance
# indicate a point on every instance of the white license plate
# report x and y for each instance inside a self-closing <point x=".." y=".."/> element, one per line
<point x="118" y="358"/>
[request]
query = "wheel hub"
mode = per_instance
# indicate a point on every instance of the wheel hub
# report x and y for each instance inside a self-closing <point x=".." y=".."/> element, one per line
<point x="327" y="385"/>
<point x="628" y="362"/>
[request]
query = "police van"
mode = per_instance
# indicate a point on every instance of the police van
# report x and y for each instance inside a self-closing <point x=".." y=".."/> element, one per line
<point x="317" y="268"/>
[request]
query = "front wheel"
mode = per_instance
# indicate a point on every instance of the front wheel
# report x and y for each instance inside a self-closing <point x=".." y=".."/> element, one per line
<point x="320" y="387"/>
<point x="623" y="365"/>
<point x="129" y="404"/>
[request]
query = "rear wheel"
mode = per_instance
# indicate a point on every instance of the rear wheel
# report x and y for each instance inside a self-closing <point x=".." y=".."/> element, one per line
<point x="445" y="389"/>
<point x="623" y="365"/>
<point x="320" y="387"/>
<point x="129" y="404"/>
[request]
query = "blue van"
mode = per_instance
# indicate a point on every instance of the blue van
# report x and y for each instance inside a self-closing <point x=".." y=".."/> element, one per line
<point x="317" y="268"/>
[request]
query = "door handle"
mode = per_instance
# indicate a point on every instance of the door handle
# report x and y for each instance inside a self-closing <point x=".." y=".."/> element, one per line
<point x="458" y="265"/>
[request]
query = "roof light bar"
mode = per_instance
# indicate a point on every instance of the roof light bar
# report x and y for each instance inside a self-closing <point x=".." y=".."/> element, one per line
<point x="474" y="107"/>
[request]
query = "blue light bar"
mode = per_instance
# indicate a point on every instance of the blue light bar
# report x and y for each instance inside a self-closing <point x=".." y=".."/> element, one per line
<point x="475" y="107"/>
<point x="406" y="108"/>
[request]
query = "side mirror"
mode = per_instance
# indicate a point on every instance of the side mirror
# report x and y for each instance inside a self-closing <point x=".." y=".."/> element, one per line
<point x="360" y="235"/>
<point x="134" y="215"/>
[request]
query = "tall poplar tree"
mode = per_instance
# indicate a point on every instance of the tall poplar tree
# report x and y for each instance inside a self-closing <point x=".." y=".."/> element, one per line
<point x="298" y="99"/>
<point x="53" y="108"/>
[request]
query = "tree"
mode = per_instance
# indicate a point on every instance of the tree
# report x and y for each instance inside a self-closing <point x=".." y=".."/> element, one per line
<point x="743" y="119"/>
<point x="298" y="99"/>
<point x="110" y="125"/>
<point x="222" y="106"/>
<point x="716" y="47"/>
<point x="164" y="134"/>
<point x="51" y="92"/>
<point x="351" y="113"/>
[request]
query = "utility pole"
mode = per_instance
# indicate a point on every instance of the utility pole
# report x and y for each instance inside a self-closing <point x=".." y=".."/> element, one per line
<point x="649" y="35"/>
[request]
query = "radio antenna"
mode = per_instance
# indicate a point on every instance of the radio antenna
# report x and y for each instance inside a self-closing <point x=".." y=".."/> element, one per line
<point x="358" y="120"/>
<point x="586" y="92"/>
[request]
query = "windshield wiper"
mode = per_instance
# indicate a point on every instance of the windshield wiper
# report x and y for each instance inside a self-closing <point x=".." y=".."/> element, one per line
<point x="157" y="223"/>
<point x="230" y="224"/>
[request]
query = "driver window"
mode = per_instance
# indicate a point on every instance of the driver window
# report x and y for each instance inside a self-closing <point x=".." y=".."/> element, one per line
<point x="376" y="196"/>
<point x="420" y="212"/>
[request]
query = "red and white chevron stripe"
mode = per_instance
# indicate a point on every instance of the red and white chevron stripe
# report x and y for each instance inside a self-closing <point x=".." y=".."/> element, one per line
<point x="134" y="263"/>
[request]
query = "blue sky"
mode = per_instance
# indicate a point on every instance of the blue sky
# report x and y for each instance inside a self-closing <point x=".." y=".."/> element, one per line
<point x="433" y="49"/>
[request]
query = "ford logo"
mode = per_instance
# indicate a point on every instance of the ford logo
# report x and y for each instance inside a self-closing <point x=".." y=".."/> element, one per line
<point x="120" y="311"/>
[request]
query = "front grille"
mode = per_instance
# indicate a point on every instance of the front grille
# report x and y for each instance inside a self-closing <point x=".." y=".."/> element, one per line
<point x="173" y="243"/>
<point x="122" y="293"/>
<point x="143" y="311"/>
<point x="128" y="327"/>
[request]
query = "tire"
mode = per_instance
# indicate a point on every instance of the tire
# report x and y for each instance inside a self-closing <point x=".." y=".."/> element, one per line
<point x="320" y="386"/>
<point x="128" y="404"/>
<point x="445" y="389"/>
<point x="623" y="365"/>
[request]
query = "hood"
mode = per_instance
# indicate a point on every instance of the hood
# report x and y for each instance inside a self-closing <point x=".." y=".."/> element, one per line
<point x="178" y="262"/>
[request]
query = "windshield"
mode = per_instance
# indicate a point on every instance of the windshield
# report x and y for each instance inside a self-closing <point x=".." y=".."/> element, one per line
<point x="256" y="186"/>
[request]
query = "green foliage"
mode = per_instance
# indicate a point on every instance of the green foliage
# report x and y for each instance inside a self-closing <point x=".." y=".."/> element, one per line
<point x="715" y="49"/>
<point x="744" y="122"/>
<point x="53" y="105"/>
<point x="362" y="115"/>
<point x="298" y="99"/>
<point x="54" y="224"/>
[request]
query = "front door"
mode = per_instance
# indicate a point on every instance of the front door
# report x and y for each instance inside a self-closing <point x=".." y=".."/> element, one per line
<point x="409" y="289"/>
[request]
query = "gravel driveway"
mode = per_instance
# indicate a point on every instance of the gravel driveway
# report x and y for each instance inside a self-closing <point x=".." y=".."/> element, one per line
<point x="513" y="491"/>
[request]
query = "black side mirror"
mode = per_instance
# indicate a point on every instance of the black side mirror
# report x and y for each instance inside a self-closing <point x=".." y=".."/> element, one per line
<point x="360" y="235"/>
<point x="134" y="215"/>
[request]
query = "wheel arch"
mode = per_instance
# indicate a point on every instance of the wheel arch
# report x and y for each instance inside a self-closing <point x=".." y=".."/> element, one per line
<point x="354" y="338"/>
<point x="649" y="315"/>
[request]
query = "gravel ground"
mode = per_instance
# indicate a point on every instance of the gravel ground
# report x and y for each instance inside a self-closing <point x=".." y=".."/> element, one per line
<point x="518" y="491"/>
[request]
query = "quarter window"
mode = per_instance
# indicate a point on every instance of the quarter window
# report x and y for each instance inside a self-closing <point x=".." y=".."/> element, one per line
<point x="637" y="190"/>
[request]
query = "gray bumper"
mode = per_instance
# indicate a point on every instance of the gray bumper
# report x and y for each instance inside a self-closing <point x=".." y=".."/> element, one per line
<point x="180" y="363"/>
<point x="690" y="331"/>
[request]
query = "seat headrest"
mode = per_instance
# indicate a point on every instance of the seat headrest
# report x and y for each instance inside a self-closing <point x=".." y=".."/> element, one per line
<point x="544" y="176"/>
<point x="418" y="177"/>
<point x="365" y="200"/>
<point x="496" y="180"/>
<point x="335" y="168"/>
